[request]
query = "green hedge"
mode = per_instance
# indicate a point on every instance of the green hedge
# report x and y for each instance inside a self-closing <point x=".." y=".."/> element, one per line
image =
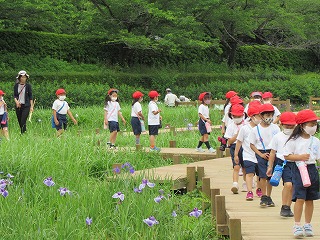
<point x="276" y="58"/>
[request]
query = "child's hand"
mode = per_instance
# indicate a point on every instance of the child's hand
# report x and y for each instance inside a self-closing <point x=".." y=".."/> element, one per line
<point x="124" y="121"/>
<point x="269" y="171"/>
<point x="265" y="156"/>
<point x="208" y="121"/>
<point x="56" y="122"/>
<point x="236" y="159"/>
<point x="74" y="121"/>
<point x="304" y="157"/>
<point x="159" y="110"/>
<point x="106" y="122"/>
<point x="18" y="105"/>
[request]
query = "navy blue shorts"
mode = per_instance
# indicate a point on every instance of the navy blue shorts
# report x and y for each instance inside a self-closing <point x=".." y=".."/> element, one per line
<point x="113" y="126"/>
<point x="301" y="192"/>
<point x="63" y="121"/>
<point x="3" y="125"/>
<point x="232" y="148"/>
<point x="153" y="129"/>
<point x="251" y="167"/>
<point x="287" y="170"/>
<point x="202" y="127"/>
<point x="263" y="165"/>
<point x="136" y="125"/>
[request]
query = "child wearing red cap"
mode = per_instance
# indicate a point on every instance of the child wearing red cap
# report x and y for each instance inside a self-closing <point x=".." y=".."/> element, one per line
<point x="112" y="112"/>
<point x="237" y="116"/>
<point x="288" y="122"/>
<point x="250" y="163"/>
<point x="203" y="112"/>
<point x="303" y="148"/>
<point x="260" y="139"/>
<point x="254" y="97"/>
<point x="153" y="119"/>
<point x="226" y="109"/>
<point x="136" y="115"/>
<point x="60" y="109"/>
<point x="3" y="116"/>
<point x="267" y="98"/>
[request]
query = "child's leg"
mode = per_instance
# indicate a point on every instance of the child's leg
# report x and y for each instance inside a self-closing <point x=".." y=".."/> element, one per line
<point x="269" y="188"/>
<point x="138" y="139"/>
<point x="113" y="137"/>
<point x="236" y="169"/>
<point x="298" y="207"/>
<point x="287" y="194"/>
<point x="200" y="141"/>
<point x="249" y="179"/>
<point x="5" y="133"/>
<point x="263" y="185"/>
<point x="152" y="139"/>
<point x="59" y="132"/>
<point x="308" y="210"/>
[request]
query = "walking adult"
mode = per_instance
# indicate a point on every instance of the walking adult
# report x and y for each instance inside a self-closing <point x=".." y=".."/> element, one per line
<point x="23" y="99"/>
<point x="170" y="98"/>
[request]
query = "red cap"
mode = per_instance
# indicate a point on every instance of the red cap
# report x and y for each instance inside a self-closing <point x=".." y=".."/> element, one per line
<point x="253" y="110"/>
<point x="235" y="100"/>
<point x="267" y="95"/>
<point x="306" y="115"/>
<point x="288" y="118"/>
<point x="153" y="94"/>
<point x="237" y="110"/>
<point x="256" y="94"/>
<point x="2" y="93"/>
<point x="201" y="96"/>
<point x="60" y="91"/>
<point x="267" y="107"/>
<point x="255" y="104"/>
<point x="231" y="94"/>
<point x="111" y="90"/>
<point x="137" y="95"/>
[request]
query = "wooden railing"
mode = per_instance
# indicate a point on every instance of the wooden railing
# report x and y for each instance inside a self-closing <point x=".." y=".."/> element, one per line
<point x="311" y="101"/>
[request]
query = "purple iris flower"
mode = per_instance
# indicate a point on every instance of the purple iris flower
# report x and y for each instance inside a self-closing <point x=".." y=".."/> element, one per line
<point x="131" y="170"/>
<point x="63" y="191"/>
<point x="145" y="183"/>
<point x="158" y="199"/>
<point x="10" y="176"/>
<point x="161" y="191"/>
<point x="116" y="170"/>
<point x="137" y="190"/>
<point x="88" y="221"/>
<point x="174" y="214"/>
<point x="195" y="213"/>
<point x="4" y="192"/>
<point x="3" y="183"/>
<point x="150" y="221"/>
<point x="119" y="195"/>
<point x="48" y="182"/>
<point x="127" y="166"/>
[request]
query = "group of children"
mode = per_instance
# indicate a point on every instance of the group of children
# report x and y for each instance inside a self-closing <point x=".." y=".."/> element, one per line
<point x="257" y="144"/>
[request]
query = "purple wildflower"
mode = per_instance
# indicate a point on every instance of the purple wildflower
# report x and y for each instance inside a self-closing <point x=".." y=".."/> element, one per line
<point x="10" y="176"/>
<point x="48" y="182"/>
<point x="174" y="214"/>
<point x="116" y="170"/>
<point x="145" y="183"/>
<point x="158" y="199"/>
<point x="63" y="191"/>
<point x="131" y="170"/>
<point x="150" y="221"/>
<point x="195" y="213"/>
<point x="127" y="166"/>
<point x="3" y="183"/>
<point x="4" y="192"/>
<point x="161" y="191"/>
<point x="137" y="190"/>
<point x="119" y="195"/>
<point x="88" y="221"/>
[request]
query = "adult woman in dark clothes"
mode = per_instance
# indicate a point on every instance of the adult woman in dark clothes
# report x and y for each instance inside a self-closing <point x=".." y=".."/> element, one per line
<point x="23" y="99"/>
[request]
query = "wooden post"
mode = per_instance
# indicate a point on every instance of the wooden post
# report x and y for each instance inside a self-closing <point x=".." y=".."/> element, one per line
<point x="191" y="178"/>
<point x="206" y="191"/>
<point x="173" y="130"/>
<point x="115" y="166"/>
<point x="200" y="171"/>
<point x="221" y="216"/>
<point x="97" y="131"/>
<point x="138" y="147"/>
<point x="227" y="152"/>
<point x="219" y="153"/>
<point x="172" y="144"/>
<point x="213" y="193"/>
<point x="235" y="229"/>
<point x="176" y="159"/>
<point x="288" y="107"/>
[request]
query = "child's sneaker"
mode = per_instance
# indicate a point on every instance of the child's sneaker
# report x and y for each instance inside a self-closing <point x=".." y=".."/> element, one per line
<point x="297" y="231"/>
<point x="240" y="172"/>
<point x="308" y="230"/>
<point x="235" y="188"/>
<point x="155" y="149"/>
<point x="112" y="146"/>
<point x="212" y="150"/>
<point x="264" y="201"/>
<point x="199" y="149"/>
<point x="270" y="203"/>
<point x="249" y="196"/>
<point x="244" y="187"/>
<point x="259" y="192"/>
<point x="286" y="211"/>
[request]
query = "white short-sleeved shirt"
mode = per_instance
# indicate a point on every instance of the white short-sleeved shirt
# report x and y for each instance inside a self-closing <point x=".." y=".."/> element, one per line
<point x="135" y="109"/>
<point x="2" y="108"/>
<point x="171" y="99"/>
<point x="226" y="118"/>
<point x="266" y="133"/>
<point x="112" y="109"/>
<point x="277" y="144"/>
<point x="243" y="136"/>
<point x="204" y="110"/>
<point x="153" y="119"/>
<point x="233" y="129"/>
<point x="304" y="146"/>
<point x="57" y="104"/>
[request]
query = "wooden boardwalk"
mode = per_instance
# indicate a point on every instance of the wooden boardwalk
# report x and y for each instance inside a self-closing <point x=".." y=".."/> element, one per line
<point x="256" y="223"/>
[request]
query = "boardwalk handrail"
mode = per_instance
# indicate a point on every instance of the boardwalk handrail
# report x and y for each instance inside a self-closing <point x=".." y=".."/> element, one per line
<point x="311" y="100"/>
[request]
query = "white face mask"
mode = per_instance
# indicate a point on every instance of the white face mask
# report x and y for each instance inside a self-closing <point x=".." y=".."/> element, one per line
<point x="255" y="120"/>
<point x="207" y="101"/>
<point x="266" y="101"/>
<point x="310" y="130"/>
<point x="237" y="120"/>
<point x="287" y="131"/>
<point x="268" y="120"/>
<point x="1" y="98"/>
<point x="62" y="98"/>
<point x="113" y="99"/>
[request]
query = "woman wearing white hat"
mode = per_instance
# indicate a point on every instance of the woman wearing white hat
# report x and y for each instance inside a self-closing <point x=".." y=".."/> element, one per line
<point x="23" y="99"/>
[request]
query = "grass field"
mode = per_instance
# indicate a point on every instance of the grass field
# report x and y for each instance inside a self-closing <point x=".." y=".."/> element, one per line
<point x="33" y="210"/>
